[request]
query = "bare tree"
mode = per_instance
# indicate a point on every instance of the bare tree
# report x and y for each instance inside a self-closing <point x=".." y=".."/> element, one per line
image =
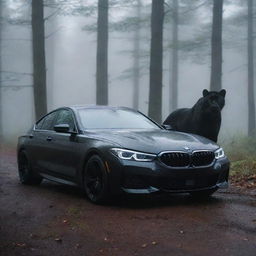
<point x="174" y="57"/>
<point x="156" y="61"/>
<point x="39" y="67"/>
<point x="136" y="58"/>
<point x="102" y="54"/>
<point x="1" y="104"/>
<point x="216" y="41"/>
<point x="251" y="99"/>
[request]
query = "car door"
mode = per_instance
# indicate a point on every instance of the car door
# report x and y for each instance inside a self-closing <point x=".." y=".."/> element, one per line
<point x="39" y="146"/>
<point x="65" y="147"/>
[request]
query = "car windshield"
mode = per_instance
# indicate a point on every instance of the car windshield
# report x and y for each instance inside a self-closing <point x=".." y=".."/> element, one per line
<point x="114" y="119"/>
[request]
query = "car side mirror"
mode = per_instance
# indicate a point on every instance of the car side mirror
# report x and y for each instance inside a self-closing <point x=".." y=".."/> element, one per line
<point x="167" y="127"/>
<point x="64" y="128"/>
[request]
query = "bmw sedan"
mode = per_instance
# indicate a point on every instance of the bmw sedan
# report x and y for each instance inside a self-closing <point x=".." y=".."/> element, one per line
<point x="109" y="150"/>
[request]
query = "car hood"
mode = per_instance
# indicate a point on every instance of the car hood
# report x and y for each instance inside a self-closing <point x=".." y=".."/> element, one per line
<point x="154" y="141"/>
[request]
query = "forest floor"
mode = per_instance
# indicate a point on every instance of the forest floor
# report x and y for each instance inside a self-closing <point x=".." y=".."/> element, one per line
<point x="241" y="152"/>
<point x="56" y="219"/>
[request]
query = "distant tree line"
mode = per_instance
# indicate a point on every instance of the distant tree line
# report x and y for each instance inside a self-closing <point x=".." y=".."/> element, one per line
<point x="161" y="13"/>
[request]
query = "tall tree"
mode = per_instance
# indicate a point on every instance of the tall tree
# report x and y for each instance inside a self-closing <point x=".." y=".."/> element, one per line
<point x="102" y="54"/>
<point x="216" y="50"/>
<point x="173" y="81"/>
<point x="1" y="104"/>
<point x="251" y="99"/>
<point x="136" y="58"/>
<point x="156" y="61"/>
<point x="39" y="67"/>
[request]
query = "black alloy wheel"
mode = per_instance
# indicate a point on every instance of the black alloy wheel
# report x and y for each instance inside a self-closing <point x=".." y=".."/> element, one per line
<point x="26" y="174"/>
<point x="96" y="180"/>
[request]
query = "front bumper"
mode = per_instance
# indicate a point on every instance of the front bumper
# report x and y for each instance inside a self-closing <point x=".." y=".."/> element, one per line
<point x="149" y="177"/>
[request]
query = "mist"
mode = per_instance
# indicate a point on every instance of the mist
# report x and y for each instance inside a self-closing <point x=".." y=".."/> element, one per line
<point x="71" y="62"/>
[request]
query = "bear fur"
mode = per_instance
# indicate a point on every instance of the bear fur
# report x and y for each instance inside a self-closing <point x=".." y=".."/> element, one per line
<point x="204" y="118"/>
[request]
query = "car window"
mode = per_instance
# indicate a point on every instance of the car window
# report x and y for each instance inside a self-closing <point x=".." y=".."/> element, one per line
<point x="40" y="124"/>
<point x="47" y="122"/>
<point x="65" y="117"/>
<point x="114" y="119"/>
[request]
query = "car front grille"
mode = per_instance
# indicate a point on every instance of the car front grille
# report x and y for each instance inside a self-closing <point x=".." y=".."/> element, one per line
<point x="202" y="158"/>
<point x="175" y="159"/>
<point x="182" y="159"/>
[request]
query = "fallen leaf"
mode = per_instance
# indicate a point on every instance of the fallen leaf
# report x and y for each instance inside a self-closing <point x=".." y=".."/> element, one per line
<point x="144" y="246"/>
<point x="78" y="246"/>
<point x="154" y="243"/>
<point x="21" y="244"/>
<point x="58" y="239"/>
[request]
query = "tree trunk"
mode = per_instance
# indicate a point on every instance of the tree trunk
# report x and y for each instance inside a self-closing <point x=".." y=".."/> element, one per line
<point x="216" y="54"/>
<point x="251" y="100"/>
<point x="174" y="58"/>
<point x="39" y="67"/>
<point x="136" y="59"/>
<point x="156" y="61"/>
<point x="1" y="104"/>
<point x="102" y="54"/>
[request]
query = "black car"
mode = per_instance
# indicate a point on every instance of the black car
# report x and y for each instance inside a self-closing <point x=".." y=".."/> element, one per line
<point x="109" y="150"/>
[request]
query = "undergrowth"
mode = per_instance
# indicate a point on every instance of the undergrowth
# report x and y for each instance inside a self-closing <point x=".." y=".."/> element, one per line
<point x="241" y="151"/>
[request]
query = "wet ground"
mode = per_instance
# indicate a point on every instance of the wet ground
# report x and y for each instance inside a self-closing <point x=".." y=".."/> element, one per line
<point x="53" y="219"/>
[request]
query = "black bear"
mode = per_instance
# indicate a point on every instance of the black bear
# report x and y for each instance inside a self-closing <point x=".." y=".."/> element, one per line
<point x="204" y="118"/>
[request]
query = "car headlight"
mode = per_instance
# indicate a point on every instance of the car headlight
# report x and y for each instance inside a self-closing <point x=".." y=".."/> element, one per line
<point x="133" y="155"/>
<point x="219" y="153"/>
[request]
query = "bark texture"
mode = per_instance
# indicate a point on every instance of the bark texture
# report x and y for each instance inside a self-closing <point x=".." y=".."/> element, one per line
<point x="1" y="103"/>
<point x="156" y="61"/>
<point x="136" y="59"/>
<point x="251" y="99"/>
<point x="216" y="42"/>
<point x="39" y="67"/>
<point x="102" y="54"/>
<point x="174" y="58"/>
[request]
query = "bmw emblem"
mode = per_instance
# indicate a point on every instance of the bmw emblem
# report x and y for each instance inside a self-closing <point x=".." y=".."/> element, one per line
<point x="186" y="148"/>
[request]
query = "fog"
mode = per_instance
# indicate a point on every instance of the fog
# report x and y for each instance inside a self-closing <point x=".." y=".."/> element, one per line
<point x="71" y="67"/>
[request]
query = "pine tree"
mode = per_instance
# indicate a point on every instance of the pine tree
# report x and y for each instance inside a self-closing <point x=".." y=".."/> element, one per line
<point x="102" y="54"/>
<point x="39" y="66"/>
<point x="156" y="61"/>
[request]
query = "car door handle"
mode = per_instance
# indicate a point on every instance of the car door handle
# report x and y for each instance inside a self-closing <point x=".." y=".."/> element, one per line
<point x="49" y="138"/>
<point x="31" y="136"/>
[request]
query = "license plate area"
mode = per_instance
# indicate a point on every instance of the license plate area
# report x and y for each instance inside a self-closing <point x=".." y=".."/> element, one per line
<point x="190" y="182"/>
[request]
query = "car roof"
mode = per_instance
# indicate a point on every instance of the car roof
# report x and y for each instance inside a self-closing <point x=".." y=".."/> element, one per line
<point x="77" y="107"/>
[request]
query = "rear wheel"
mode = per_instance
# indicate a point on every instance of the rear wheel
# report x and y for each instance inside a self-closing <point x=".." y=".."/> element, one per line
<point x="96" y="180"/>
<point x="203" y="194"/>
<point x="27" y="176"/>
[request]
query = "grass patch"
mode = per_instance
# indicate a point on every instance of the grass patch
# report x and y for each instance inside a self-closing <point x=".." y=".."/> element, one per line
<point x="241" y="152"/>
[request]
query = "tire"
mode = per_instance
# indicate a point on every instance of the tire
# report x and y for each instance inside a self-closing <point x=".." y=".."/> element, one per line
<point x="95" y="180"/>
<point x="203" y="194"/>
<point x="26" y="175"/>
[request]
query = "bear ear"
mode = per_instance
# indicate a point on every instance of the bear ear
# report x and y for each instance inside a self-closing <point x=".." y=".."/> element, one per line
<point x="205" y="92"/>
<point x="223" y="93"/>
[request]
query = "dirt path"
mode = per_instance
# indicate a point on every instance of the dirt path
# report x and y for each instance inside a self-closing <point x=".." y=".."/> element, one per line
<point x="53" y="219"/>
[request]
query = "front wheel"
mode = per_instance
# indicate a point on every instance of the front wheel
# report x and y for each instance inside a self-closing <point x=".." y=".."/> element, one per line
<point x="203" y="194"/>
<point x="96" y="180"/>
<point x="27" y="176"/>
